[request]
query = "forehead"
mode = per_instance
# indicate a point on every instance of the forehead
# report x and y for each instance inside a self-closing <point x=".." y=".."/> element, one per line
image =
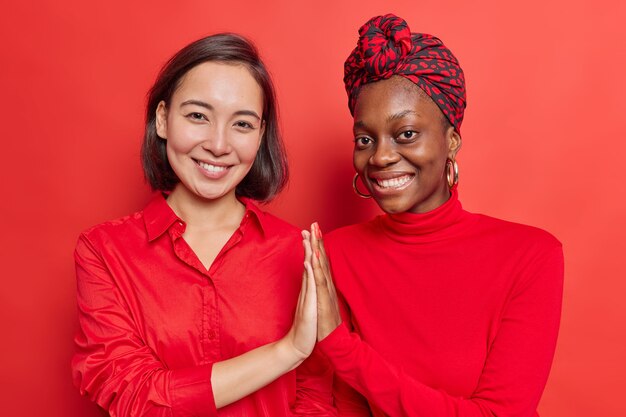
<point x="392" y="96"/>
<point x="216" y="81"/>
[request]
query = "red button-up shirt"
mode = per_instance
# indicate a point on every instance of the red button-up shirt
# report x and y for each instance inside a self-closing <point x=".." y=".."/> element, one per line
<point x="153" y="320"/>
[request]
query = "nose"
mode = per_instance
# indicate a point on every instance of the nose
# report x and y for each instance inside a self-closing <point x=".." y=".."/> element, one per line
<point x="384" y="153"/>
<point x="217" y="142"/>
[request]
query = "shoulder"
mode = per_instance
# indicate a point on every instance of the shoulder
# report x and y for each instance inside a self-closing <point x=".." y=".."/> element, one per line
<point x="532" y="257"/>
<point x="121" y="228"/>
<point x="276" y="226"/>
<point x="520" y="234"/>
<point x="273" y="227"/>
<point x="521" y="244"/>
<point x="358" y="232"/>
<point x="278" y="240"/>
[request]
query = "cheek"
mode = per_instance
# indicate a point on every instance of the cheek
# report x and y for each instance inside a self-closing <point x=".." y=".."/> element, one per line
<point x="175" y="158"/>
<point x="428" y="154"/>
<point x="179" y="145"/>
<point x="359" y="160"/>
<point x="176" y="148"/>
<point x="183" y="137"/>
<point x="247" y="148"/>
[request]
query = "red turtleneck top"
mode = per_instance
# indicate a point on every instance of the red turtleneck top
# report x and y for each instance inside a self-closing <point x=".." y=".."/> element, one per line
<point x="453" y="314"/>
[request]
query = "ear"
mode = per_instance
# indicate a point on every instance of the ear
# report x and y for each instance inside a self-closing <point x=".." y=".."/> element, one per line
<point x="454" y="142"/>
<point x="161" y="120"/>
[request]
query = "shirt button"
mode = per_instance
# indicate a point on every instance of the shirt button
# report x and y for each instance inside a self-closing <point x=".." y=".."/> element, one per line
<point x="211" y="334"/>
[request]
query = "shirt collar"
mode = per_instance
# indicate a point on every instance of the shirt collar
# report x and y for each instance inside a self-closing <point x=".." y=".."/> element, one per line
<point x="258" y="215"/>
<point x="159" y="216"/>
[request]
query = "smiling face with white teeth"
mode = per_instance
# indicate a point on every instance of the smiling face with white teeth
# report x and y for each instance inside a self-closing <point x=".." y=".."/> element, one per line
<point x="402" y="141"/>
<point x="213" y="128"/>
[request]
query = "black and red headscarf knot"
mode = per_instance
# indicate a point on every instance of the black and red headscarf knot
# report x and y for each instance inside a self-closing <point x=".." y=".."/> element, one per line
<point x="387" y="47"/>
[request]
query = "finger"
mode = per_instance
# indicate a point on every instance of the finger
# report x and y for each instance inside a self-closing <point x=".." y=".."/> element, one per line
<point x="303" y="290"/>
<point x="318" y="272"/>
<point x="326" y="287"/>
<point x="320" y="237"/>
<point x="324" y="296"/>
<point x="321" y="268"/>
<point x="307" y="258"/>
<point x="318" y="246"/>
<point x="310" y="278"/>
<point x="314" y="235"/>
<point x="314" y="245"/>
<point x="322" y="260"/>
<point x="306" y="245"/>
<point x="310" y="300"/>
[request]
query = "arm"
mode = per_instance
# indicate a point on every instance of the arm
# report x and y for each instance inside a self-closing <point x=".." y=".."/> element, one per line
<point x="347" y="401"/>
<point x="235" y="378"/>
<point x="314" y="380"/>
<point x="124" y="376"/>
<point x="516" y="367"/>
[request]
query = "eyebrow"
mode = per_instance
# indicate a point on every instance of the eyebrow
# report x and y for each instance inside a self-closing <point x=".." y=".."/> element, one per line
<point x="196" y="103"/>
<point x="401" y="114"/>
<point x="360" y="124"/>
<point x="396" y="116"/>
<point x="209" y="107"/>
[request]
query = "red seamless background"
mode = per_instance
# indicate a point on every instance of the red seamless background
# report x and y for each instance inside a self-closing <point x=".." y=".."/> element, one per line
<point x="543" y="145"/>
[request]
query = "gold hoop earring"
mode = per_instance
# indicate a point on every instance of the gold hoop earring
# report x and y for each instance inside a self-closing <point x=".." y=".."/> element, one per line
<point x="356" y="190"/>
<point x="453" y="179"/>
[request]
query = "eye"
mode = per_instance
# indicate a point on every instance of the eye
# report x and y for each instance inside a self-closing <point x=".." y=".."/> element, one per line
<point x="407" y="135"/>
<point x="196" y="116"/>
<point x="242" y="124"/>
<point x="362" y="142"/>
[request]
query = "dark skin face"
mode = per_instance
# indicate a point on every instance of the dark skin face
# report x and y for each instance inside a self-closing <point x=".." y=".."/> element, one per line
<point x="402" y="142"/>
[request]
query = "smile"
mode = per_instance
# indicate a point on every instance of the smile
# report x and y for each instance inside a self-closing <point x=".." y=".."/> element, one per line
<point x="212" y="171"/>
<point x="211" y="168"/>
<point x="396" y="183"/>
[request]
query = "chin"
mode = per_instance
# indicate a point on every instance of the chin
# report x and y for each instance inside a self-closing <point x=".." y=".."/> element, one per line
<point x="209" y="193"/>
<point x="392" y="207"/>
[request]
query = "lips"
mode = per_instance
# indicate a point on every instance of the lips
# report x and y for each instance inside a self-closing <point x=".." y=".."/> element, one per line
<point x="213" y="170"/>
<point x="391" y="181"/>
<point x="211" y="167"/>
<point x="394" y="182"/>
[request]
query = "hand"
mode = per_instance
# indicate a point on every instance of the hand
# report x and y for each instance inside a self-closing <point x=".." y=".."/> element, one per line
<point x="302" y="336"/>
<point x="328" y="316"/>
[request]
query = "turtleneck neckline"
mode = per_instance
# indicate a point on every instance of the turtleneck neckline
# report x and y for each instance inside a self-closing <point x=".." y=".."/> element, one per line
<point x="433" y="225"/>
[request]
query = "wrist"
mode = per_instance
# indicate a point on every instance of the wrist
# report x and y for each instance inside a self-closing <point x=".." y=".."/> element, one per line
<point x="287" y="354"/>
<point x="327" y="329"/>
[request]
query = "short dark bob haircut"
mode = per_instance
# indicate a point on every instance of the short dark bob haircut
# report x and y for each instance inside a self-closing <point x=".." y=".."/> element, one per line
<point x="269" y="172"/>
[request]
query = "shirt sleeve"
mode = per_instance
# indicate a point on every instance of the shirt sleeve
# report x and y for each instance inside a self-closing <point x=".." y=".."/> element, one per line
<point x="114" y="367"/>
<point x="314" y="381"/>
<point x="349" y="402"/>
<point x="516" y="367"/>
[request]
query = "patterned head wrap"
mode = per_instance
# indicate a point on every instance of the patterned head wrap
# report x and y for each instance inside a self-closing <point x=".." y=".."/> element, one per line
<point x="387" y="47"/>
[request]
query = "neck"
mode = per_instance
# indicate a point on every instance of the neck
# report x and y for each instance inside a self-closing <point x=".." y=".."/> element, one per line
<point x="437" y="199"/>
<point x="446" y="220"/>
<point x="202" y="213"/>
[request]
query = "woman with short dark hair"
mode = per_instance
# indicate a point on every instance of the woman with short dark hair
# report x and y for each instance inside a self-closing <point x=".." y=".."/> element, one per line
<point x="186" y="307"/>
<point x="269" y="173"/>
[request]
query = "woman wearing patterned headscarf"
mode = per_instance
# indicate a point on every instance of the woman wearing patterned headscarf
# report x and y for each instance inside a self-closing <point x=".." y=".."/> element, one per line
<point x="447" y="313"/>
